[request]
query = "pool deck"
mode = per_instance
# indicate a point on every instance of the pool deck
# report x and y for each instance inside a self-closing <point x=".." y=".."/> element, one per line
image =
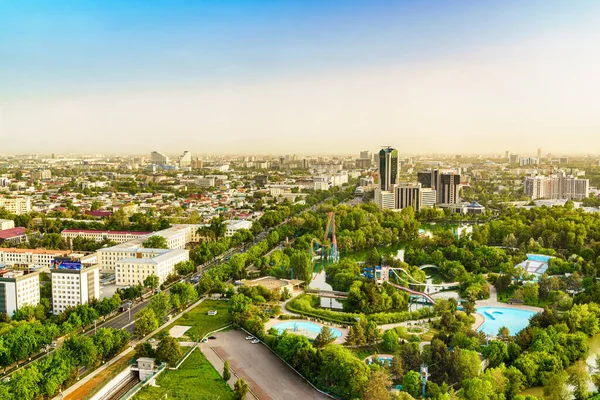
<point x="493" y="302"/>
<point x="272" y="322"/>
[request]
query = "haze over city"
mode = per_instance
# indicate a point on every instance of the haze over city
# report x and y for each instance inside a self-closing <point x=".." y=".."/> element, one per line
<point x="308" y="77"/>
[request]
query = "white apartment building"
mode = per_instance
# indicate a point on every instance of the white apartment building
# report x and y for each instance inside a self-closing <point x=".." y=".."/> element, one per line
<point x="235" y="225"/>
<point x="116" y="236"/>
<point x="72" y="287"/>
<point x="133" y="270"/>
<point x="16" y="205"/>
<point x="158" y="158"/>
<point x="205" y="182"/>
<point x="557" y="186"/>
<point x="41" y="174"/>
<point x="40" y="257"/>
<point x="17" y="289"/>
<point x="6" y="224"/>
<point x="108" y="257"/>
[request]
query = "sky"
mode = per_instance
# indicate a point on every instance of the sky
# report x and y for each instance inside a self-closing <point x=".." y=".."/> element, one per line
<point x="300" y="77"/>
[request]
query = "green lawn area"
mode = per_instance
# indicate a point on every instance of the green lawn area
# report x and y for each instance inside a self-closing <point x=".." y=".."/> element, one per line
<point x="201" y="323"/>
<point x="195" y="379"/>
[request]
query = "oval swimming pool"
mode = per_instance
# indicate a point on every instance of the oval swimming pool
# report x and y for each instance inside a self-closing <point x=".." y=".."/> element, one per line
<point x="305" y="328"/>
<point x="496" y="317"/>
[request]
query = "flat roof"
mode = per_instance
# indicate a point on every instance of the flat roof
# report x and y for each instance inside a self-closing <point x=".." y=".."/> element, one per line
<point x="34" y="251"/>
<point x="103" y="231"/>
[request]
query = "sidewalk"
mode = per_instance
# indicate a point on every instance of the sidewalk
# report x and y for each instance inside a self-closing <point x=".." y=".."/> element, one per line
<point x="132" y="344"/>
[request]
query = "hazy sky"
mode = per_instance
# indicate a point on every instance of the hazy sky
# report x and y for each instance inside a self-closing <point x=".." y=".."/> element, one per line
<point x="301" y="76"/>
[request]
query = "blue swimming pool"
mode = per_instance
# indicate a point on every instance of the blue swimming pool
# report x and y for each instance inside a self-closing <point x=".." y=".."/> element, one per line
<point x="308" y="329"/>
<point x="496" y="317"/>
<point x="538" y="257"/>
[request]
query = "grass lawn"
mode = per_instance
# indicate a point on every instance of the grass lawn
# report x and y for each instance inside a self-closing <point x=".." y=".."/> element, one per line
<point x="195" y="379"/>
<point x="201" y="323"/>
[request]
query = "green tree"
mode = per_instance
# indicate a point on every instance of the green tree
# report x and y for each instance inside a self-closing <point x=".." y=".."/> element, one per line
<point x="156" y="242"/>
<point x="324" y="337"/>
<point x="144" y="349"/>
<point x="151" y="282"/>
<point x="160" y="304"/>
<point x="240" y="389"/>
<point x="555" y="387"/>
<point x="168" y="350"/>
<point x="496" y="353"/>
<point x="226" y="371"/>
<point x="377" y="388"/>
<point x="81" y="349"/>
<point x="579" y="378"/>
<point x="390" y="341"/>
<point x="346" y="382"/>
<point x="412" y="383"/>
<point x="145" y="322"/>
<point x="302" y="266"/>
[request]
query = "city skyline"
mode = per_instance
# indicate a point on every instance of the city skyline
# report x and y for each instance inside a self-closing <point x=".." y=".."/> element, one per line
<point x="312" y="78"/>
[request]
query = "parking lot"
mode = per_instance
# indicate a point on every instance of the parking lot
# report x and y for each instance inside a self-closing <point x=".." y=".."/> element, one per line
<point x="268" y="377"/>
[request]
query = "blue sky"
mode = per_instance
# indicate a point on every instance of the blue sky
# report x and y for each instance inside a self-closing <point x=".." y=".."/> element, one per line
<point x="80" y="53"/>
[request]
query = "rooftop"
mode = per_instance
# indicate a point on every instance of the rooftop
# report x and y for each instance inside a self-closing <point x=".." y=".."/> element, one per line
<point x="12" y="232"/>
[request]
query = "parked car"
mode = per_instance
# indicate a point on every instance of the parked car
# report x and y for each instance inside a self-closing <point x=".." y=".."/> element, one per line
<point x="212" y="337"/>
<point x="255" y="341"/>
<point x="151" y="340"/>
<point x="249" y="337"/>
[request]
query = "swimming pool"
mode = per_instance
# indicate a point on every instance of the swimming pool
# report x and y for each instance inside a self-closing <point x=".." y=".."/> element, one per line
<point x="496" y="317"/>
<point x="308" y="329"/>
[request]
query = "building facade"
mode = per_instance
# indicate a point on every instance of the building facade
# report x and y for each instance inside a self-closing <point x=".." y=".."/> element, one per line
<point x="73" y="287"/>
<point x="557" y="186"/>
<point x="158" y="158"/>
<point x="115" y="236"/>
<point x="17" y="289"/>
<point x="133" y="271"/>
<point x="388" y="168"/>
<point x="445" y="183"/>
<point x="35" y="257"/>
<point x="385" y="199"/>
<point x="16" y="205"/>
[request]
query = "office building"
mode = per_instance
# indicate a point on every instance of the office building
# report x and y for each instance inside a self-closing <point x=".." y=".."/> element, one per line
<point x="385" y="199"/>
<point x="98" y="235"/>
<point x="158" y="158"/>
<point x="73" y="284"/>
<point x="17" y="289"/>
<point x="428" y="197"/>
<point x="41" y="174"/>
<point x="133" y="270"/>
<point x="557" y="186"/>
<point x="445" y="183"/>
<point x="539" y="155"/>
<point x="388" y="168"/>
<point x="513" y="158"/>
<point x="523" y="161"/>
<point x="16" y="205"/>
<point x="408" y="195"/>
<point x="31" y="257"/>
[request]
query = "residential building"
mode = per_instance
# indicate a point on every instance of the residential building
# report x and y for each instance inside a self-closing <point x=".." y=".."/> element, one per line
<point x="366" y="155"/>
<point x="205" y="182"/>
<point x="513" y="158"/>
<point x="17" y="289"/>
<point x="98" y="235"/>
<point x="235" y="225"/>
<point x="33" y="257"/>
<point x="261" y="180"/>
<point x="528" y="161"/>
<point x="41" y="174"/>
<point x="6" y="224"/>
<point x="16" y="205"/>
<point x="158" y="158"/>
<point x="556" y="186"/>
<point x="74" y="284"/>
<point x="321" y="182"/>
<point x="388" y="168"/>
<point x="133" y="270"/>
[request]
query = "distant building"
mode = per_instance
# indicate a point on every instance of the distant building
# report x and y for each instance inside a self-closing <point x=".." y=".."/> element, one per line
<point x="185" y="160"/>
<point x="366" y="155"/>
<point x="563" y="160"/>
<point x="17" y="289"/>
<point x="445" y="183"/>
<point x="384" y="199"/>
<point x="513" y="158"/>
<point x="158" y="158"/>
<point x="74" y="284"/>
<point x="473" y="208"/>
<point x="16" y="205"/>
<point x="205" y="182"/>
<point x="523" y="161"/>
<point x="539" y="154"/>
<point x="41" y="174"/>
<point x="115" y="236"/>
<point x="556" y="186"/>
<point x="261" y="180"/>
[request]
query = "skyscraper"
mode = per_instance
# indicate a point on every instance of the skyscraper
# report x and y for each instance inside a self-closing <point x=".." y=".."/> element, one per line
<point x="445" y="183"/>
<point x="539" y="154"/>
<point x="158" y="158"/>
<point x="365" y="155"/>
<point x="388" y="168"/>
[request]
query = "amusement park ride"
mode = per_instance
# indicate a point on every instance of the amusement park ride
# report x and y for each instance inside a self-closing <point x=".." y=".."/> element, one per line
<point x="328" y="248"/>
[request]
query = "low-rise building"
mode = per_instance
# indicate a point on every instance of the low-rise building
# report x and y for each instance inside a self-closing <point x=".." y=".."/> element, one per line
<point x="74" y="284"/>
<point x="235" y="225"/>
<point x="6" y="224"/>
<point x="17" y="289"/>
<point x="31" y="257"/>
<point x="133" y="270"/>
<point x="14" y="236"/>
<point x="16" y="205"/>
<point x="98" y="235"/>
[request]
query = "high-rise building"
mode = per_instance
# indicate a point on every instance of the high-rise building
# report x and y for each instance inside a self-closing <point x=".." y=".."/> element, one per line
<point x="539" y="155"/>
<point x="523" y="161"/>
<point x="388" y="168"/>
<point x="445" y="183"/>
<point x="513" y="158"/>
<point x="41" y="174"/>
<point x="557" y="186"/>
<point x="73" y="285"/>
<point x="158" y="158"/>
<point x="506" y="155"/>
<point x="185" y="160"/>
<point x="17" y="289"/>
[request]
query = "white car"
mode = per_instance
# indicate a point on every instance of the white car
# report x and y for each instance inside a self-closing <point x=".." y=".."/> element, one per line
<point x="255" y="341"/>
<point x="249" y="337"/>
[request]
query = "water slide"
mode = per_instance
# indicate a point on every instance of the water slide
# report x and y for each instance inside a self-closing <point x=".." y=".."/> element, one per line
<point x="427" y="297"/>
